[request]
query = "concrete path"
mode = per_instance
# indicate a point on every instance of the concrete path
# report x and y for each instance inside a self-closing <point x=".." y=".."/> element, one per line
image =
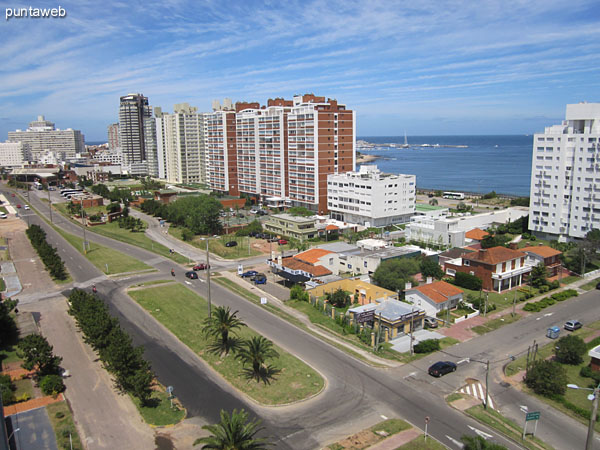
<point x="397" y="440"/>
<point x="11" y="279"/>
<point x="105" y="418"/>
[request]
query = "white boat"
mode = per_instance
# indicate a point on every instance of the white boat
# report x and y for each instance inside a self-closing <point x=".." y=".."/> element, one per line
<point x="405" y="145"/>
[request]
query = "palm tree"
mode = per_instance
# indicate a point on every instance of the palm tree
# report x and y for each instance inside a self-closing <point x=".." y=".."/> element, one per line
<point x="218" y="326"/>
<point x="256" y="351"/>
<point x="234" y="433"/>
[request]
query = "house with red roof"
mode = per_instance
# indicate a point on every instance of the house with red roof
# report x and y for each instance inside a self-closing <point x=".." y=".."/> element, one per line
<point x="476" y="234"/>
<point x="499" y="268"/>
<point x="301" y="267"/>
<point x="435" y="297"/>
<point x="549" y="256"/>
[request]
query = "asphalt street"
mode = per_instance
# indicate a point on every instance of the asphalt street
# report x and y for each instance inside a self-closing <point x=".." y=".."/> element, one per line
<point x="356" y="395"/>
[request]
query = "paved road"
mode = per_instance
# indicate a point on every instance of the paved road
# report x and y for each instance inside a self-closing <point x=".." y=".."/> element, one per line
<point x="356" y="394"/>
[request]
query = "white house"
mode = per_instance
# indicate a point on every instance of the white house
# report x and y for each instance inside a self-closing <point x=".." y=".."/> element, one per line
<point x="435" y="297"/>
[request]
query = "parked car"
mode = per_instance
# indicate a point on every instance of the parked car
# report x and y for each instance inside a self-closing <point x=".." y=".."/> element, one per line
<point x="431" y="322"/>
<point x="253" y="211"/>
<point x="261" y="278"/>
<point x="572" y="325"/>
<point x="51" y="188"/>
<point x="598" y="286"/>
<point x="191" y="275"/>
<point x="12" y="195"/>
<point x="3" y="216"/>
<point x="282" y="242"/>
<point x="18" y="205"/>
<point x="441" y="368"/>
<point x="200" y="266"/>
<point x="262" y="213"/>
<point x="26" y="207"/>
<point x="231" y="244"/>
<point x="273" y="239"/>
<point x="249" y="273"/>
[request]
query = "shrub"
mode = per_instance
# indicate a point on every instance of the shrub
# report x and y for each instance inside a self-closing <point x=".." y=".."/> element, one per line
<point x="544" y="289"/>
<point x="187" y="235"/>
<point x="467" y="281"/>
<point x="52" y="384"/>
<point x="427" y="346"/>
<point x="547" y="378"/>
<point x="23" y="397"/>
<point x="554" y="285"/>
<point x="570" y="350"/>
<point x="59" y="415"/>
<point x="297" y="293"/>
<point x="7" y="389"/>
<point x="532" y="307"/>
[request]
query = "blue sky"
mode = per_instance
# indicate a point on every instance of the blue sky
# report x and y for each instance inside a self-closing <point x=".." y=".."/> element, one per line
<point x="427" y="67"/>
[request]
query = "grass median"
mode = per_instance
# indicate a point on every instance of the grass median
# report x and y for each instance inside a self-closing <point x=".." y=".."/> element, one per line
<point x="159" y="412"/>
<point x="370" y="436"/>
<point x="217" y="246"/>
<point x="62" y="422"/>
<point x="183" y="312"/>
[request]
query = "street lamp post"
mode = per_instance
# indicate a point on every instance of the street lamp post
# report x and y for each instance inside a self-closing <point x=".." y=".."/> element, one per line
<point x="589" y="442"/>
<point x="208" y="272"/>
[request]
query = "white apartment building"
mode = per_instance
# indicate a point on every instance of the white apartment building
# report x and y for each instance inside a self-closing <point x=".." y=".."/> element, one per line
<point x="42" y="136"/>
<point x="180" y="145"/>
<point x="565" y="176"/>
<point x="14" y="154"/>
<point x="114" y="157"/>
<point x="370" y="197"/>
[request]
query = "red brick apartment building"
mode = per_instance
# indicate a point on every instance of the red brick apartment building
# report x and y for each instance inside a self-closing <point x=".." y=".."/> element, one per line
<point x="499" y="268"/>
<point x="283" y="151"/>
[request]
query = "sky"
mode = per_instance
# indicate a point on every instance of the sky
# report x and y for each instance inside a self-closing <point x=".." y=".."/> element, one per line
<point x="421" y="67"/>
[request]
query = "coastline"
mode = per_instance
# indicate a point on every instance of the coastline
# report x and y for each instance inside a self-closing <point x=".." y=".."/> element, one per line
<point x="362" y="159"/>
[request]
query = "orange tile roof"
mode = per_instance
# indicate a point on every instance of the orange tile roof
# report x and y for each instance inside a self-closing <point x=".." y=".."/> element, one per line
<point x="312" y="256"/>
<point x="439" y="291"/>
<point x="295" y="264"/>
<point x="494" y="255"/>
<point x="543" y="250"/>
<point x="477" y="234"/>
<point x="332" y="227"/>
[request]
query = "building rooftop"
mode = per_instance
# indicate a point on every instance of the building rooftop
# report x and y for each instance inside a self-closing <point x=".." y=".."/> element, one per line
<point x="439" y="291"/>
<point x="391" y="310"/>
<point x="339" y="247"/>
<point x="312" y="256"/>
<point x="476" y="234"/>
<point x="455" y="252"/>
<point x="386" y="253"/>
<point x="494" y="255"/>
<point x="291" y="218"/>
<point x="542" y="250"/>
<point x="295" y="264"/>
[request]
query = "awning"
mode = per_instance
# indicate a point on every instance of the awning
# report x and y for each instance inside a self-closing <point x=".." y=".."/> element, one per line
<point x="292" y="277"/>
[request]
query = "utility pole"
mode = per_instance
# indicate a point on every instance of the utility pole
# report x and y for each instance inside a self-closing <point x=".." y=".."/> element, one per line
<point x="589" y="442"/>
<point x="83" y="226"/>
<point x="208" y="276"/>
<point x="514" y="303"/>
<point x="487" y="376"/>
<point x="412" y="318"/>
<point x="486" y="302"/>
<point x="49" y="202"/>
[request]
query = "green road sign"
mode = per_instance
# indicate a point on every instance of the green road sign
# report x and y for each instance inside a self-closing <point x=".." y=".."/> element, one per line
<point x="532" y="416"/>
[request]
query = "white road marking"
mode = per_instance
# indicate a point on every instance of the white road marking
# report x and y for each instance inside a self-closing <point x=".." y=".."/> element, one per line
<point x="548" y="314"/>
<point x="524" y="408"/>
<point x="466" y="360"/>
<point x="478" y="391"/>
<point x="483" y="434"/>
<point x="455" y="442"/>
<point x="412" y="374"/>
<point x="383" y="417"/>
<point x="187" y="282"/>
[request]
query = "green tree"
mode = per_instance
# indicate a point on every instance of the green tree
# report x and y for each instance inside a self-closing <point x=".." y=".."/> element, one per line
<point x="433" y="202"/>
<point x="339" y="298"/>
<point x="7" y="389"/>
<point x="430" y="268"/>
<point x="298" y="293"/>
<point x="220" y="327"/>
<point x="255" y="352"/>
<point x="479" y="443"/>
<point x="570" y="350"/>
<point x="467" y="281"/>
<point x="234" y="432"/>
<point x="297" y="244"/>
<point x="538" y="275"/>
<point x="37" y="355"/>
<point x="393" y="274"/>
<point x="8" y="328"/>
<point x="547" y="378"/>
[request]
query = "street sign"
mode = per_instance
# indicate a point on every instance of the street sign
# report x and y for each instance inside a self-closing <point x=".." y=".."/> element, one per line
<point x="169" y="390"/>
<point x="365" y="316"/>
<point x="240" y="269"/>
<point x="532" y="416"/>
<point x="263" y="300"/>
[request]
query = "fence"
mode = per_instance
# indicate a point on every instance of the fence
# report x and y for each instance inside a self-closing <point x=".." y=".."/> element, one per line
<point x="468" y="316"/>
<point x="592" y="274"/>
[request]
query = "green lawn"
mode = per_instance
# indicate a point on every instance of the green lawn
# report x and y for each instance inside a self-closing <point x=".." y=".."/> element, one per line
<point x="503" y="300"/>
<point x="217" y="246"/>
<point x="8" y="354"/>
<point x="23" y="386"/>
<point x="101" y="256"/>
<point x="61" y="419"/>
<point x="160" y="413"/>
<point x="494" y="324"/>
<point x="183" y="313"/>
<point x="3" y="210"/>
<point x="505" y="426"/>
<point x="419" y="443"/>
<point x="569" y="279"/>
<point x="138" y="239"/>
<point x="2" y="285"/>
<point x="590" y="284"/>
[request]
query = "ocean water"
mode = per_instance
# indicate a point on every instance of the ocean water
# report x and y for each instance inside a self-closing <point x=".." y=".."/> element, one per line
<point x="489" y="163"/>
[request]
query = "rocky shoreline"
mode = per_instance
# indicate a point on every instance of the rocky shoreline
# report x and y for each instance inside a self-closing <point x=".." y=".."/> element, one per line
<point x="363" y="159"/>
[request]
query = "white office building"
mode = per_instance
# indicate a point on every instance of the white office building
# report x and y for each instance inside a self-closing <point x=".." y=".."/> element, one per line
<point x="371" y="198"/>
<point x="42" y="136"/>
<point x="180" y="145"/>
<point x="14" y="154"/>
<point x="565" y="176"/>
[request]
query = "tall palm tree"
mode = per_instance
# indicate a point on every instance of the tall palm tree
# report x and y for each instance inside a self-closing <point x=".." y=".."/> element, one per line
<point x="219" y="326"/>
<point x="256" y="351"/>
<point x="234" y="433"/>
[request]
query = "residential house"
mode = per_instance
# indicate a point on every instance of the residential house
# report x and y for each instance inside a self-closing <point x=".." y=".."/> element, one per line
<point x="451" y="254"/>
<point x="499" y="268"/>
<point x="363" y="261"/>
<point x="549" y="256"/>
<point x="301" y="267"/>
<point x="435" y="297"/>
<point x="595" y="355"/>
<point x="397" y="318"/>
<point x="361" y="291"/>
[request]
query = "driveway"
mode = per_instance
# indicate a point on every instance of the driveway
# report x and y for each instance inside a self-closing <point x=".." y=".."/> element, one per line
<point x="105" y="418"/>
<point x="32" y="430"/>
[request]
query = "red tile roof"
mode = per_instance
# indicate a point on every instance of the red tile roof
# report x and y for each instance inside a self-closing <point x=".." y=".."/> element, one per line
<point x="332" y="227"/>
<point x="494" y="255"/>
<point x="542" y="250"/>
<point x="476" y="234"/>
<point x="295" y="264"/>
<point x="312" y="256"/>
<point x="439" y="291"/>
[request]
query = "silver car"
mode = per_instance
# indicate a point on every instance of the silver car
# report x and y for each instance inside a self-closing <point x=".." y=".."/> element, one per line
<point x="572" y="325"/>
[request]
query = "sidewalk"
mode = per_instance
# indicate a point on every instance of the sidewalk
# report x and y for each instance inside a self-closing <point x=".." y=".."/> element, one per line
<point x="302" y="318"/>
<point x="397" y="440"/>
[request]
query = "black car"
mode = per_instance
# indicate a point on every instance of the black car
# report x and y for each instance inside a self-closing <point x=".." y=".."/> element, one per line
<point x="191" y="275"/>
<point x="441" y="368"/>
<point x="231" y="244"/>
<point x="598" y="286"/>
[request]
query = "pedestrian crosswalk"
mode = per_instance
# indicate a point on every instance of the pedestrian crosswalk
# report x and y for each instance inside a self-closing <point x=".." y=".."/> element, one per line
<point x="477" y="390"/>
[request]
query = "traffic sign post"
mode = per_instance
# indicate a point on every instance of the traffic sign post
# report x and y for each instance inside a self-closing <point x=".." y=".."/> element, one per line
<point x="426" y="423"/>
<point x="170" y="392"/>
<point x="535" y="415"/>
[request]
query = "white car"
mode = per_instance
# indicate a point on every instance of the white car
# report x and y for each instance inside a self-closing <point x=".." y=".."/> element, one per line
<point x="3" y="216"/>
<point x="26" y="207"/>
